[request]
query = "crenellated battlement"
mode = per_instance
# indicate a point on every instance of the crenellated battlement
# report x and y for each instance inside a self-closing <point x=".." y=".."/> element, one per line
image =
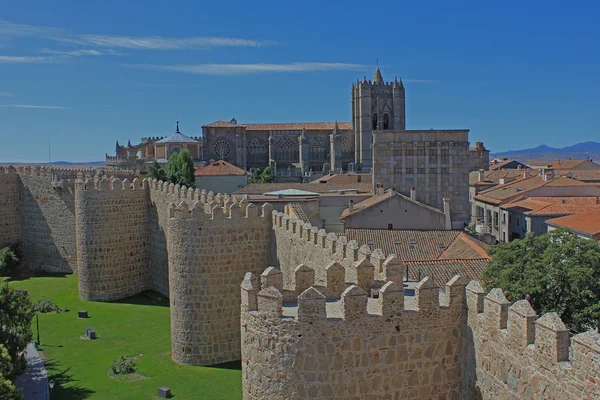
<point x="353" y="304"/>
<point x="519" y="344"/>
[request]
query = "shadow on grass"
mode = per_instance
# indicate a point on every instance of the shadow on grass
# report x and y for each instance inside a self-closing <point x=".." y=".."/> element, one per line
<point x="147" y="298"/>
<point x="65" y="387"/>
<point x="25" y="275"/>
<point x="235" y="365"/>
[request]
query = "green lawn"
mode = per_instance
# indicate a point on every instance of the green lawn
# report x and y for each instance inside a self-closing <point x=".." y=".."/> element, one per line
<point x="137" y="326"/>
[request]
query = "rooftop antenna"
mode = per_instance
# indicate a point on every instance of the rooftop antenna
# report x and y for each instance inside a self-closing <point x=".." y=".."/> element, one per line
<point x="377" y="62"/>
<point x="49" y="151"/>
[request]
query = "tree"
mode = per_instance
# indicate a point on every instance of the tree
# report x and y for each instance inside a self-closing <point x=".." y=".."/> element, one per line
<point x="155" y="171"/>
<point x="16" y="313"/>
<point x="8" y="261"/>
<point x="559" y="270"/>
<point x="180" y="169"/>
<point x="262" y="176"/>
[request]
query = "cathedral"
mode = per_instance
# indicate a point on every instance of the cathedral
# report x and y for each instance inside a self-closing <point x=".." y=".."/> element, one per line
<point x="435" y="163"/>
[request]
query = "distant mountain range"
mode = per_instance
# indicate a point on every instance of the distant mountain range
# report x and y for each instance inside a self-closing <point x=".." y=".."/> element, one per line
<point x="579" y="151"/>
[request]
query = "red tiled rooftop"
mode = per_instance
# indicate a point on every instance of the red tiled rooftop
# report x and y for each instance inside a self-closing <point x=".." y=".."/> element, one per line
<point x="219" y="168"/>
<point x="588" y="223"/>
<point x="260" y="188"/>
<point x="500" y="193"/>
<point x="554" y="205"/>
<point x="343" y="178"/>
<point x="284" y="126"/>
<point x="376" y="199"/>
<point x="559" y="164"/>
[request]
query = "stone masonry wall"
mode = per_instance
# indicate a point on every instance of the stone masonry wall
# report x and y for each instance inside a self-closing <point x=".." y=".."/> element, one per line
<point x="295" y="243"/>
<point x="510" y="353"/>
<point x="327" y="346"/>
<point x="212" y="241"/>
<point x="158" y="220"/>
<point x="112" y="239"/>
<point x="47" y="220"/>
<point x="10" y="224"/>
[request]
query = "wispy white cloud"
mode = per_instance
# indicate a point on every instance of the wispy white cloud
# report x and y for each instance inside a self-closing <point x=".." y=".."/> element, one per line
<point x="420" y="80"/>
<point x="240" y="69"/>
<point x="11" y="30"/>
<point x="33" y="106"/>
<point x="166" y="43"/>
<point x="72" y="53"/>
<point x="23" y="59"/>
<point x="5" y="94"/>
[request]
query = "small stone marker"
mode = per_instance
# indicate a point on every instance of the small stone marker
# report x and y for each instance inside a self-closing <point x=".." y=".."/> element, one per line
<point x="165" y="392"/>
<point x="82" y="314"/>
<point x="90" y="333"/>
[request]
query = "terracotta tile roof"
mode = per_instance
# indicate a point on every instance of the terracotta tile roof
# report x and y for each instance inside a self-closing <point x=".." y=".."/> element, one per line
<point x="588" y="223"/>
<point x="499" y="164"/>
<point x="374" y="200"/>
<point x="540" y="206"/>
<point x="423" y="253"/>
<point x="560" y="164"/>
<point x="343" y="178"/>
<point x="501" y="193"/>
<point x="582" y="174"/>
<point x="465" y="247"/>
<point x="260" y="188"/>
<point x="297" y="126"/>
<point x="443" y="270"/>
<point x="405" y="244"/>
<point x="218" y="168"/>
<point x="222" y="124"/>
<point x="493" y="177"/>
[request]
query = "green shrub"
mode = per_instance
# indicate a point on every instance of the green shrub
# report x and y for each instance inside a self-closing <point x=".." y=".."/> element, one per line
<point x="8" y="261"/>
<point x="123" y="365"/>
<point x="46" y="306"/>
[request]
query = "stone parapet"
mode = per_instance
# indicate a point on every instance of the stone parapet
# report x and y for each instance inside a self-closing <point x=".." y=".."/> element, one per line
<point x="513" y="354"/>
<point x="353" y="346"/>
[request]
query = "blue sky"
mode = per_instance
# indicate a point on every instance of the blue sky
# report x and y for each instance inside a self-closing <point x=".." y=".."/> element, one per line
<point x="517" y="74"/>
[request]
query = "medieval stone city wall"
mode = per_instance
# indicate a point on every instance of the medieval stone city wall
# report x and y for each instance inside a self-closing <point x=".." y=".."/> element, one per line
<point x="296" y="242"/>
<point x="158" y="220"/>
<point x="212" y="242"/>
<point x="510" y="353"/>
<point x="10" y="226"/>
<point x="350" y="346"/>
<point x="112" y="239"/>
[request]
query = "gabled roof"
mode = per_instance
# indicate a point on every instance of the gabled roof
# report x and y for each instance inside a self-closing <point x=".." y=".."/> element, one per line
<point x="177" y="137"/>
<point x="284" y="126"/>
<point x="587" y="223"/>
<point x="503" y="163"/>
<point x="547" y="206"/>
<point x="499" y="194"/>
<point x="342" y="178"/>
<point x="377" y="199"/>
<point x="298" y="126"/>
<point x="582" y="174"/>
<point x="219" y="168"/>
<point x="438" y="254"/>
<point x="493" y="177"/>
<point x="562" y="164"/>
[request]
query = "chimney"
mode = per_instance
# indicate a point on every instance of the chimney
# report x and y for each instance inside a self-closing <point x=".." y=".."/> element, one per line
<point x="413" y="193"/>
<point x="526" y="173"/>
<point x="501" y="181"/>
<point x="598" y="200"/>
<point x="350" y="205"/>
<point x="447" y="218"/>
<point x="481" y="175"/>
<point x="558" y="162"/>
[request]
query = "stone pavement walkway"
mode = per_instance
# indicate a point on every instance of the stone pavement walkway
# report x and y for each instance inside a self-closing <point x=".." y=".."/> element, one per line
<point x="34" y="382"/>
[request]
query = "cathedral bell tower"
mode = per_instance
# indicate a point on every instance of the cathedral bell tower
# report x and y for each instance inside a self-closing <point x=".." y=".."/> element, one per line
<point x="376" y="105"/>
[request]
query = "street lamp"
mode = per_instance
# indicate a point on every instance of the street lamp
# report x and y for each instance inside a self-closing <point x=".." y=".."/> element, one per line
<point x="51" y="385"/>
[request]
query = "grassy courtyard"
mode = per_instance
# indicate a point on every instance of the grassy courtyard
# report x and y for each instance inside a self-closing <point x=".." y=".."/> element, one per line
<point x="137" y="326"/>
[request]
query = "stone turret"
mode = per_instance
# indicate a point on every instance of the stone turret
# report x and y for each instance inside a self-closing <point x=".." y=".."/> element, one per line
<point x="336" y="149"/>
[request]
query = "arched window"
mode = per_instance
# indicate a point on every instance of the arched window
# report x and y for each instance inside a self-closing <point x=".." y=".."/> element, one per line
<point x="174" y="150"/>
<point x="386" y="121"/>
<point x="375" y="121"/>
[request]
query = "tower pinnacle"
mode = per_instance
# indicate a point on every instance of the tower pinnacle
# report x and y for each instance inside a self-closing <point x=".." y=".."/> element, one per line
<point x="377" y="78"/>
<point x="177" y="130"/>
